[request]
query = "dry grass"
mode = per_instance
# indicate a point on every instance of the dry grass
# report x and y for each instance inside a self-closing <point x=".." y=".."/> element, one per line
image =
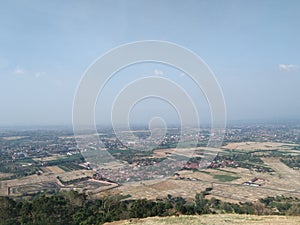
<point x="288" y="177"/>
<point x="50" y="158"/>
<point x="156" y="188"/>
<point x="188" y="152"/>
<point x="55" y="169"/>
<point x="213" y="219"/>
<point x="3" y="175"/>
<point x="250" y="146"/>
<point x="44" y="178"/>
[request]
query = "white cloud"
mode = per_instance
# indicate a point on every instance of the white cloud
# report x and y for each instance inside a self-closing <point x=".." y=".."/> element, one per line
<point x="158" y="72"/>
<point x="287" y="67"/>
<point x="19" y="71"/>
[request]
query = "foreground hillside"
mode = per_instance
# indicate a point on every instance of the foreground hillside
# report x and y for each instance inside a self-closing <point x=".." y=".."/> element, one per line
<point x="75" y="208"/>
<point x="213" y="219"/>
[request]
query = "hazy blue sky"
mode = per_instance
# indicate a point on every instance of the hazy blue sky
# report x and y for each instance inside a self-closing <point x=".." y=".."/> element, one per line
<point x="253" y="47"/>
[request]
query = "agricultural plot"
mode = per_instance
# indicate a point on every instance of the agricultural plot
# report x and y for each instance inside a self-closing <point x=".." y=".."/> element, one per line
<point x="228" y="184"/>
<point x="50" y="158"/>
<point x="254" y="146"/>
<point x="31" y="189"/>
<point x="48" y="181"/>
<point x="55" y="169"/>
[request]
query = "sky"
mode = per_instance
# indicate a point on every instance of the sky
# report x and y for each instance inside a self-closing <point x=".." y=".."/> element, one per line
<point x="252" y="47"/>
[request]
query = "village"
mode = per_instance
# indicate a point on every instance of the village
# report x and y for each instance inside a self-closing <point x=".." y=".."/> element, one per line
<point x="50" y="162"/>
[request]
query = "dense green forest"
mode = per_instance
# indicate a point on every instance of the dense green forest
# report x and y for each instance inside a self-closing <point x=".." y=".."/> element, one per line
<point x="77" y="209"/>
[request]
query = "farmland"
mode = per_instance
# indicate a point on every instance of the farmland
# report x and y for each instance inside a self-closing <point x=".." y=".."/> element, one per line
<point x="243" y="169"/>
<point x="250" y="174"/>
<point x="227" y="184"/>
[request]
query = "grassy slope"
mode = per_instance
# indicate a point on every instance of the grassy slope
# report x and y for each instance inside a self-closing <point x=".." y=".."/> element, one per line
<point x="213" y="220"/>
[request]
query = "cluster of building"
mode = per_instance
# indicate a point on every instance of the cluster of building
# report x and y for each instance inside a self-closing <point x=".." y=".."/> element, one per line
<point x="255" y="182"/>
<point x="138" y="173"/>
<point x="223" y="164"/>
<point x="263" y="132"/>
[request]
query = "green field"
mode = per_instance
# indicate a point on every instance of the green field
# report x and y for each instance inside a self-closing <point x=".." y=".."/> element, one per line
<point x="225" y="178"/>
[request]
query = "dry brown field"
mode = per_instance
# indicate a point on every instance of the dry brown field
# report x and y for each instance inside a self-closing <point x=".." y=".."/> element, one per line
<point x="3" y="175"/>
<point x="251" y="146"/>
<point x="6" y="185"/>
<point x="189" y="152"/>
<point x="285" y="181"/>
<point x="55" y="169"/>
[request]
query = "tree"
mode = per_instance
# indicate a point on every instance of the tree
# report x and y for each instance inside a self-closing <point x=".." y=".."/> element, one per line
<point x="8" y="211"/>
<point x="294" y="210"/>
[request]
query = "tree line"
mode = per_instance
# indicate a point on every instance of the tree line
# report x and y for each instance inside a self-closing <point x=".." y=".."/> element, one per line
<point x="73" y="208"/>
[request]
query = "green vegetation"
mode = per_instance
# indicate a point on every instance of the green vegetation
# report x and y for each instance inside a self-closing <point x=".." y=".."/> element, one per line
<point x="134" y="156"/>
<point x="226" y="171"/>
<point x="246" y="160"/>
<point x="20" y="168"/>
<point x="225" y="178"/>
<point x="291" y="161"/>
<point x="26" y="166"/>
<point x="73" y="208"/>
<point x="70" y="160"/>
